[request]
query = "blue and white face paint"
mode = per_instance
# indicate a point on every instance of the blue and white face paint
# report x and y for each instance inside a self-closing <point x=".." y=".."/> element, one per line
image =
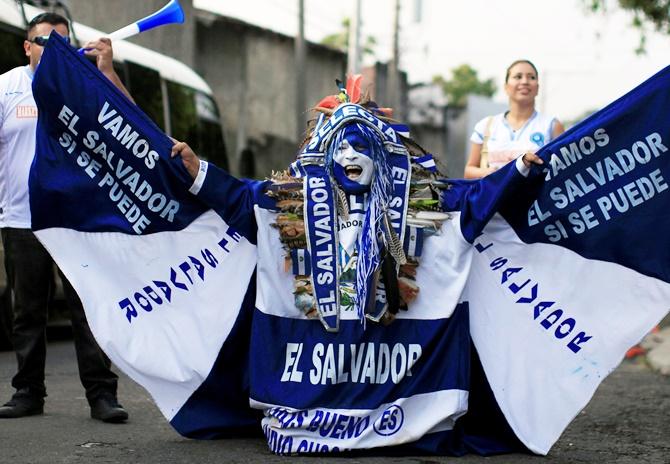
<point x="353" y="167"/>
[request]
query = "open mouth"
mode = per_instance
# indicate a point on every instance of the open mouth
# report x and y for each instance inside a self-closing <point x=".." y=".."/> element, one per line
<point x="353" y="171"/>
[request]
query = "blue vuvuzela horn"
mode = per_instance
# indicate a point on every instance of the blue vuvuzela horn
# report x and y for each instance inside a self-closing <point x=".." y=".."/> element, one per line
<point x="169" y="14"/>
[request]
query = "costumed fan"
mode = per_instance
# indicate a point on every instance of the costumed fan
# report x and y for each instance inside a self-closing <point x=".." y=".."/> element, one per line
<point x="385" y="198"/>
<point x="344" y="236"/>
<point x="278" y="304"/>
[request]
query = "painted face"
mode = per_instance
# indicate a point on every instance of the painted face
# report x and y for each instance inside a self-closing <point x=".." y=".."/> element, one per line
<point x="353" y="167"/>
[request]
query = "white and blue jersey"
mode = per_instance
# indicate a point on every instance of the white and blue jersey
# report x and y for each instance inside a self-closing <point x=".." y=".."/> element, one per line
<point x="18" y="120"/>
<point x="505" y="144"/>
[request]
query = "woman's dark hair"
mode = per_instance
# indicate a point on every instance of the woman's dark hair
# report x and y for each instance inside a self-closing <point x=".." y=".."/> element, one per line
<point x="50" y="18"/>
<point x="509" y="68"/>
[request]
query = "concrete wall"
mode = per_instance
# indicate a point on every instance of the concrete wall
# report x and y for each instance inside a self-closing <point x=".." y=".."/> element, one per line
<point x="427" y="113"/>
<point x="176" y="40"/>
<point x="253" y="76"/>
<point x="446" y="140"/>
<point x="457" y="140"/>
<point x="251" y="71"/>
<point x="445" y="130"/>
<point x="375" y="82"/>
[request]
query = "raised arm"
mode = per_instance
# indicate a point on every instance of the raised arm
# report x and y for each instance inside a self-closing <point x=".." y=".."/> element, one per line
<point x="232" y="198"/>
<point x="478" y="200"/>
<point x="101" y="49"/>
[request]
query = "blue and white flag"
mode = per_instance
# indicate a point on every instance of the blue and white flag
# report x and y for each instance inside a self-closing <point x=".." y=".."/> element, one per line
<point x="575" y="269"/>
<point x="427" y="161"/>
<point x="195" y="303"/>
<point x="146" y="258"/>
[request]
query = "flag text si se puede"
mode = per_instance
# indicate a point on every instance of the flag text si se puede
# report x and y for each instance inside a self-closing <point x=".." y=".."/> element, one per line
<point x="133" y="196"/>
<point x="613" y="184"/>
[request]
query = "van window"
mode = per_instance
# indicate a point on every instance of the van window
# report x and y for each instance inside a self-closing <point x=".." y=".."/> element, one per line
<point x="194" y="119"/>
<point x="193" y="115"/>
<point x="210" y="135"/>
<point x="11" y="51"/>
<point x="144" y="84"/>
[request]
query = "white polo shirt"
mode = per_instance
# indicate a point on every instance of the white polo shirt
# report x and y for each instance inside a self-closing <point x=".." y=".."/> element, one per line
<point x="505" y="144"/>
<point x="18" y="122"/>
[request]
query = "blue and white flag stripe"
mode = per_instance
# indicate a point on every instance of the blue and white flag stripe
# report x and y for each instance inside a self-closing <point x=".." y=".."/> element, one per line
<point x="401" y="129"/>
<point x="413" y="244"/>
<point x="577" y="263"/>
<point x="584" y="314"/>
<point x="427" y="161"/>
<point x="344" y="429"/>
<point x="138" y="335"/>
<point x="300" y="261"/>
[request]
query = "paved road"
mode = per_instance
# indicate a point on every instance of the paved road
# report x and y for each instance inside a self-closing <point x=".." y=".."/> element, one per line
<point x="628" y="421"/>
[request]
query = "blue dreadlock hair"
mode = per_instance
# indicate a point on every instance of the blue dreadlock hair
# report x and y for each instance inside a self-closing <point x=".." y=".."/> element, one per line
<point x="371" y="238"/>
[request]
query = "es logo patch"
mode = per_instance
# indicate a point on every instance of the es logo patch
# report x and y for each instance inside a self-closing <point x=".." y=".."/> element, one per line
<point x="390" y="421"/>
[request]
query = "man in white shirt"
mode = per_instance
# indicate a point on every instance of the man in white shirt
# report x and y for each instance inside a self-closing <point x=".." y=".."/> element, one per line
<point x="29" y="265"/>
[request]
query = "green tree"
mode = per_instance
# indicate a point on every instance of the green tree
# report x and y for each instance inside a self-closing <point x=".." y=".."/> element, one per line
<point x="340" y="40"/>
<point x="464" y="81"/>
<point x="654" y="13"/>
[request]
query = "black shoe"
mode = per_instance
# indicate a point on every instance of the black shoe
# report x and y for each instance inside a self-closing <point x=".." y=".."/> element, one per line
<point x="107" y="409"/>
<point x="22" y="404"/>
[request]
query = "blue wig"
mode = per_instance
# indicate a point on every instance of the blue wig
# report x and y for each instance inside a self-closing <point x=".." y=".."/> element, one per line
<point x="371" y="238"/>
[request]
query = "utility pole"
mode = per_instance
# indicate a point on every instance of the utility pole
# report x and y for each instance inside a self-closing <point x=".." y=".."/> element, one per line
<point x="354" y="52"/>
<point x="300" y="47"/>
<point x="242" y="107"/>
<point x="393" y="79"/>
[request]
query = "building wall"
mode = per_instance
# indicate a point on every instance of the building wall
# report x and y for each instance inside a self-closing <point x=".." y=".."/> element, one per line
<point x="376" y="83"/>
<point x="427" y="116"/>
<point x="445" y="130"/>
<point x="253" y="76"/>
<point x="251" y="71"/>
<point x="458" y="141"/>
<point x="176" y="40"/>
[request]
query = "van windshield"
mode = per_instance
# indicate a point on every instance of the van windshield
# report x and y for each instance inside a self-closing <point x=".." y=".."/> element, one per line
<point x="11" y="48"/>
<point x="144" y="84"/>
<point x="193" y="115"/>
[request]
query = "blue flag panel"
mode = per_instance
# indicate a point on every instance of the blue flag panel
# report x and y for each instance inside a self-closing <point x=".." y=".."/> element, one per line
<point x="100" y="143"/>
<point x="604" y="190"/>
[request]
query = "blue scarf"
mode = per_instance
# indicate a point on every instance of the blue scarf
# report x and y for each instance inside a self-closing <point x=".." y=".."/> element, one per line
<point x="384" y="218"/>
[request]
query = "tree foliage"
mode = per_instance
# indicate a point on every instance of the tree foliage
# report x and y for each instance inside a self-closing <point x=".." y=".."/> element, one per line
<point x="655" y="13"/>
<point x="340" y="40"/>
<point x="464" y="81"/>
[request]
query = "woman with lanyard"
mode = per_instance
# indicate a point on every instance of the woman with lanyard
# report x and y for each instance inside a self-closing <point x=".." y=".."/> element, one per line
<point x="498" y="139"/>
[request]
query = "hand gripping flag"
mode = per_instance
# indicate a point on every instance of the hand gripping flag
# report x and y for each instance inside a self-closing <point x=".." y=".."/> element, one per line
<point x="570" y="273"/>
<point x="171" y="13"/>
<point x="575" y="270"/>
<point x="146" y="258"/>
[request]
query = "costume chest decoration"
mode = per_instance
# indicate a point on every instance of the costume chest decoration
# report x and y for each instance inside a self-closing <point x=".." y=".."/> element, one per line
<point x="377" y="277"/>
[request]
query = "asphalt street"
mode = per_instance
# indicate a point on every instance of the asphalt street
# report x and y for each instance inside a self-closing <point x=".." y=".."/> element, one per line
<point x="628" y="421"/>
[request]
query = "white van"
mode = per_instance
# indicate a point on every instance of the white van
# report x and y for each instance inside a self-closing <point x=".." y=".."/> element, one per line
<point x="177" y="99"/>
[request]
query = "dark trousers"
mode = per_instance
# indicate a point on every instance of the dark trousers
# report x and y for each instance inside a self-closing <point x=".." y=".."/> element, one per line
<point x="30" y="273"/>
